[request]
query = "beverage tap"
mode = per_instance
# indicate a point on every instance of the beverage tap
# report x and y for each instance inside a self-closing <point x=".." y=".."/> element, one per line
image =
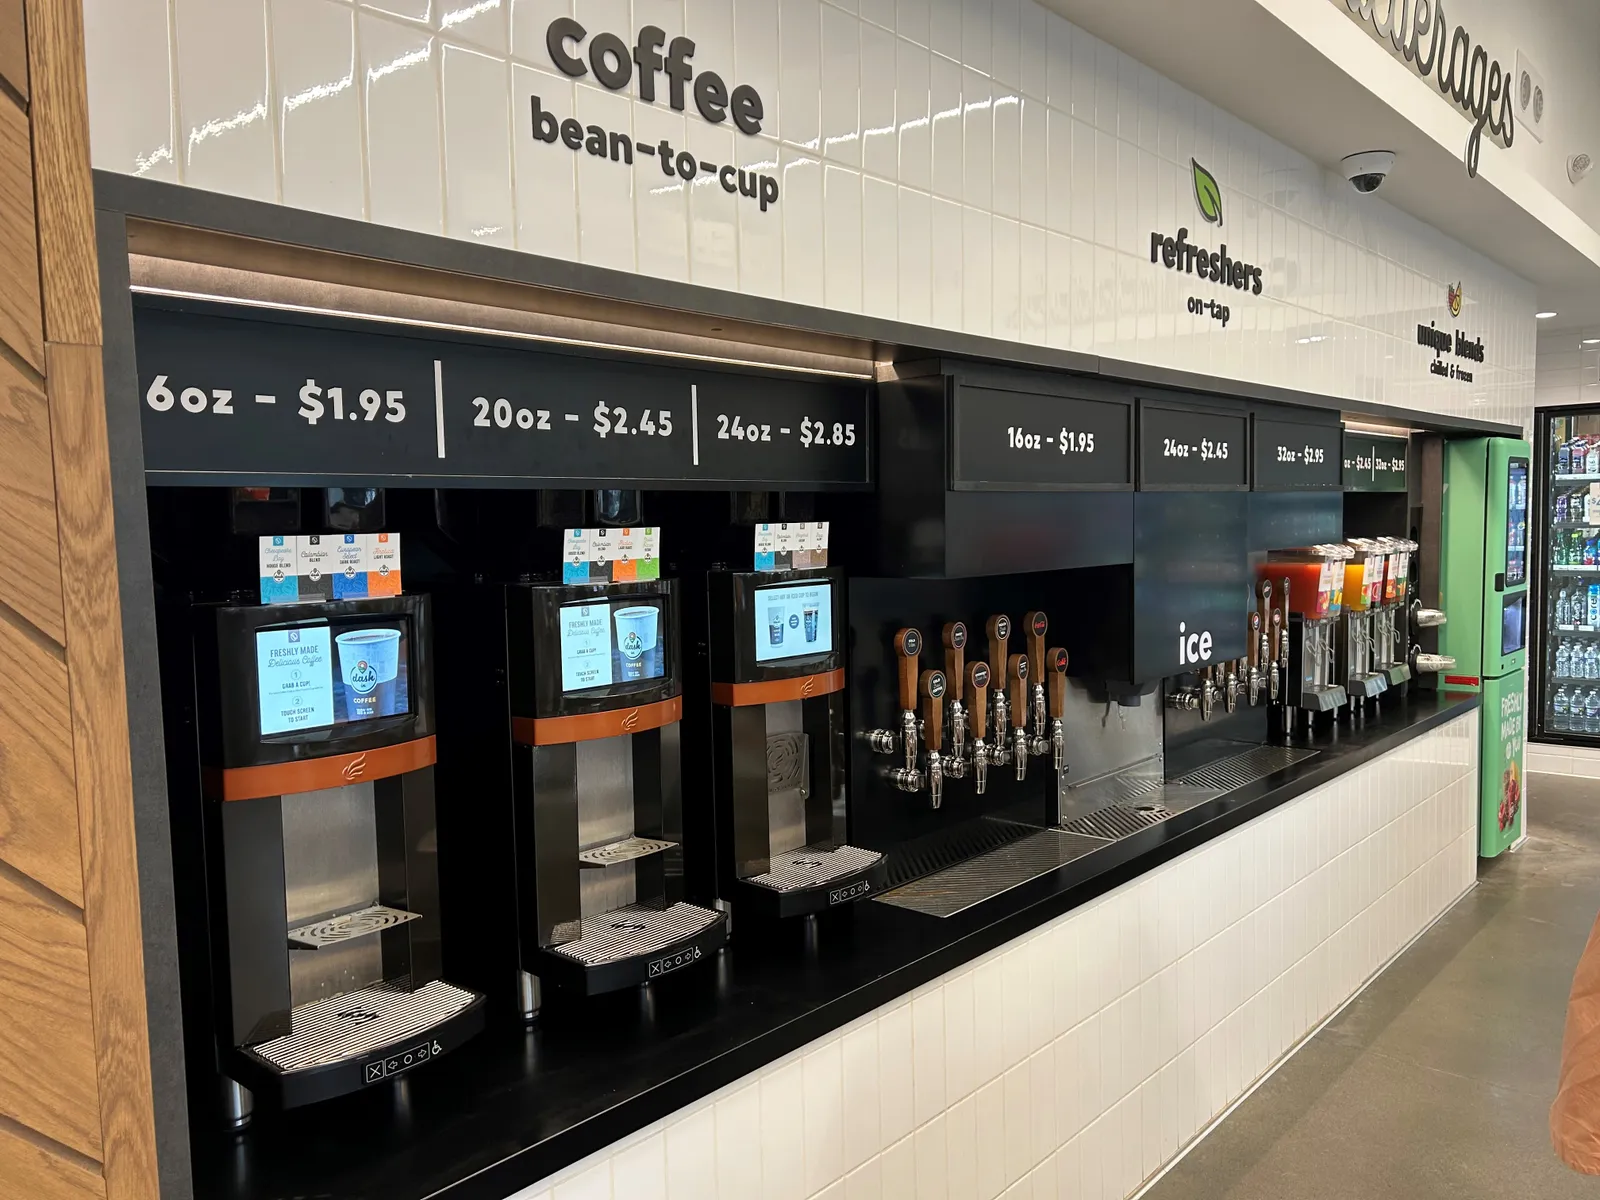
<point x="955" y="673"/>
<point x="1233" y="683"/>
<point x="978" y="680"/>
<point x="907" y="645"/>
<point x="1274" y="682"/>
<point x="933" y="688"/>
<point x="1038" y="625"/>
<point x="1017" y="672"/>
<point x="1184" y="699"/>
<point x="1283" y="649"/>
<point x="999" y="628"/>
<point x="1258" y="655"/>
<point x="1267" y="648"/>
<point x="1057" y="659"/>
<point x="1208" y="693"/>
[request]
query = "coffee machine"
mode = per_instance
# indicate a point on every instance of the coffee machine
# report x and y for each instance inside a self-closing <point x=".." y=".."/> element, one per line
<point x="1309" y="580"/>
<point x="315" y="725"/>
<point x="777" y="653"/>
<point x="592" y="685"/>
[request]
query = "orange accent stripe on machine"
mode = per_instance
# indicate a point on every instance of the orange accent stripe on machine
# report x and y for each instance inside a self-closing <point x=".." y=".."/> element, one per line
<point x="314" y="774"/>
<point x="590" y="727"/>
<point x="775" y="691"/>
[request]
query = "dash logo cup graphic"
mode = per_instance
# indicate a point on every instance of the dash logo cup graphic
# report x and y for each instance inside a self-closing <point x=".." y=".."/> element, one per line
<point x="636" y="637"/>
<point x="369" y="661"/>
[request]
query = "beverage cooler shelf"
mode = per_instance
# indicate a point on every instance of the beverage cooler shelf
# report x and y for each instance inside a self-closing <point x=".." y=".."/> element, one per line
<point x="1577" y="629"/>
<point x="1595" y="570"/>
<point x="1560" y="478"/>
<point x="1575" y="525"/>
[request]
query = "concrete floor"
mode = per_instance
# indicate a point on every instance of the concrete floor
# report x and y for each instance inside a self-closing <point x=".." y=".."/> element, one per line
<point x="1436" y="1082"/>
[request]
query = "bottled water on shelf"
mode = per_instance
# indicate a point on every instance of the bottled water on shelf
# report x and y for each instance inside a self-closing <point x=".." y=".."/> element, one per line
<point x="1559" y="708"/>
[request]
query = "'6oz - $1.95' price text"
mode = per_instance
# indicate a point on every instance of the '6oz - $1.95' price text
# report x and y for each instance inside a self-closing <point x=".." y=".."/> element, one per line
<point x="367" y="407"/>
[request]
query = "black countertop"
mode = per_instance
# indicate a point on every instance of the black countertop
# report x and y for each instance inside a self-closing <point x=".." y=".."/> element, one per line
<point x="514" y="1106"/>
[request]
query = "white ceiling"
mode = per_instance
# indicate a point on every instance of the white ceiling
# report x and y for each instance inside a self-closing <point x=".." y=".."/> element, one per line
<point x="1244" y="59"/>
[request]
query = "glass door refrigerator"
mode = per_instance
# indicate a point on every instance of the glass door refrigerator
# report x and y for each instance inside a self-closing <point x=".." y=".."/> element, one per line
<point x="1566" y="648"/>
<point x="1484" y="593"/>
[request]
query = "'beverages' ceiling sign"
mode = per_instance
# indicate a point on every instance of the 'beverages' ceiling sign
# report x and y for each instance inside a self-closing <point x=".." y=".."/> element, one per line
<point x="1418" y="31"/>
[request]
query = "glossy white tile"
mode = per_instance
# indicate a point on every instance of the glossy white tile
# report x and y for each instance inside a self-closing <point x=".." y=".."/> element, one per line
<point x="477" y="144"/>
<point x="223" y="89"/>
<point x="400" y="85"/>
<point x="317" y="107"/>
<point x="129" y="70"/>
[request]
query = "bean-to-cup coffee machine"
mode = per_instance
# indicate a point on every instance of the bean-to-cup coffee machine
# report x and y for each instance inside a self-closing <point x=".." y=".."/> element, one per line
<point x="1310" y="584"/>
<point x="777" y="659"/>
<point x="316" y="735"/>
<point x="593" y="685"/>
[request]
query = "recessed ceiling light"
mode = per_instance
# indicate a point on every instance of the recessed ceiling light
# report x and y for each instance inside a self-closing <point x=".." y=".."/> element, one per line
<point x="1315" y="337"/>
<point x="1543" y="316"/>
<point x="1590" y="342"/>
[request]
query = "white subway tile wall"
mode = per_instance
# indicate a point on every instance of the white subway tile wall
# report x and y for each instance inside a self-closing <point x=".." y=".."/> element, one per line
<point x="1077" y="1060"/>
<point x="972" y="165"/>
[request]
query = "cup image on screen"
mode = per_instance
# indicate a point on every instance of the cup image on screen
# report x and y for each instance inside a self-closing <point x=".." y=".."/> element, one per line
<point x="810" y="613"/>
<point x="775" y="626"/>
<point x="369" y="661"/>
<point x="636" y="637"/>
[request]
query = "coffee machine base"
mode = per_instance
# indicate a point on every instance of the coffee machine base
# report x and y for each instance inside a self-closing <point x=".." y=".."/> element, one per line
<point x="631" y="945"/>
<point x="343" y="1043"/>
<point x="813" y="879"/>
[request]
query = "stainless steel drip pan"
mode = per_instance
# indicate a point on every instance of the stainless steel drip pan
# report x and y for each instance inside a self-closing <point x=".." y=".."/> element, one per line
<point x="352" y="1025"/>
<point x="810" y="867"/>
<point x="336" y="930"/>
<point x="955" y="889"/>
<point x="634" y="931"/>
<point x="623" y="850"/>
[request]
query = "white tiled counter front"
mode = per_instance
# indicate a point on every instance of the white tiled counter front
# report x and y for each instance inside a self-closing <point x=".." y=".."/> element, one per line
<point x="1076" y="1061"/>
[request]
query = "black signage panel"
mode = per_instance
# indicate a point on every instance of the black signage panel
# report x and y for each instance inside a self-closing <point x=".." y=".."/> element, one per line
<point x="1375" y="462"/>
<point x="1192" y="449"/>
<point x="1294" y="456"/>
<point x="229" y="399"/>
<point x="1021" y="441"/>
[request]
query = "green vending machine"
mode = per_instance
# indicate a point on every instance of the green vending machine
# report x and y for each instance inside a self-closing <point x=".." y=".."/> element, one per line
<point x="1484" y="591"/>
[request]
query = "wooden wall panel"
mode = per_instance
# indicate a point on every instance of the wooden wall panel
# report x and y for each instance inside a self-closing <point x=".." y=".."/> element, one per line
<point x="21" y="325"/>
<point x="103" y="765"/>
<point x="47" y="1039"/>
<point x="30" y="561"/>
<point x="13" y="47"/>
<point x="63" y="184"/>
<point x="37" y="1174"/>
<point x="38" y="803"/>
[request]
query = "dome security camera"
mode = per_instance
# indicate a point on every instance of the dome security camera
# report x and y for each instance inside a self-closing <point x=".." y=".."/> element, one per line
<point x="1366" y="171"/>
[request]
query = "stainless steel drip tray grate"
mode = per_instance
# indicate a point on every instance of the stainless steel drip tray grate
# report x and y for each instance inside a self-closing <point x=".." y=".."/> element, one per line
<point x="623" y="850"/>
<point x="1239" y="770"/>
<point x="336" y="1028"/>
<point x="335" y="930"/>
<point x="957" y="888"/>
<point x="634" y="930"/>
<point x="1118" y="821"/>
<point x="809" y="867"/>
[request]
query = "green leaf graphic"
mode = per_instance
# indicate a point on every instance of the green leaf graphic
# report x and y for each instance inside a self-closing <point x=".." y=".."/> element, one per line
<point x="1207" y="195"/>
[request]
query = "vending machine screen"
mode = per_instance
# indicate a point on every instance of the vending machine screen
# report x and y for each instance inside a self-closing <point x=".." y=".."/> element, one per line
<point x="606" y="644"/>
<point x="1513" y="623"/>
<point x="331" y="673"/>
<point x="794" y="621"/>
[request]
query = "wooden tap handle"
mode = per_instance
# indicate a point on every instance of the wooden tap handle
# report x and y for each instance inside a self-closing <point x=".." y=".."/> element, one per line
<point x="1277" y="635"/>
<point x="933" y="685"/>
<point x="999" y="629"/>
<point x="978" y="681"/>
<point x="1037" y="625"/>
<point x="1017" y="673"/>
<point x="907" y="645"/>
<point x="1056" y="657"/>
<point x="955" y="658"/>
<point x="1255" y="637"/>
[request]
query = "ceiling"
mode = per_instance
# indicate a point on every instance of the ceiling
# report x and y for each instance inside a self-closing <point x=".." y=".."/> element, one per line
<point x="1332" y="114"/>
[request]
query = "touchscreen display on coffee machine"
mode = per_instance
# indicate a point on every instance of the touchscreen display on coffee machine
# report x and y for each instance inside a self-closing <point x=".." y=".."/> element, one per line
<point x="794" y="621"/>
<point x="313" y="676"/>
<point x="606" y="644"/>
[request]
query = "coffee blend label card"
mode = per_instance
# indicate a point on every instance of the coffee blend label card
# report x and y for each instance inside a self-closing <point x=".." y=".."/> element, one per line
<point x="351" y="559"/>
<point x="316" y="566"/>
<point x="575" y="556"/>
<point x="766" y="548"/>
<point x="650" y="553"/>
<point x="383" y="564"/>
<point x="280" y="583"/>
